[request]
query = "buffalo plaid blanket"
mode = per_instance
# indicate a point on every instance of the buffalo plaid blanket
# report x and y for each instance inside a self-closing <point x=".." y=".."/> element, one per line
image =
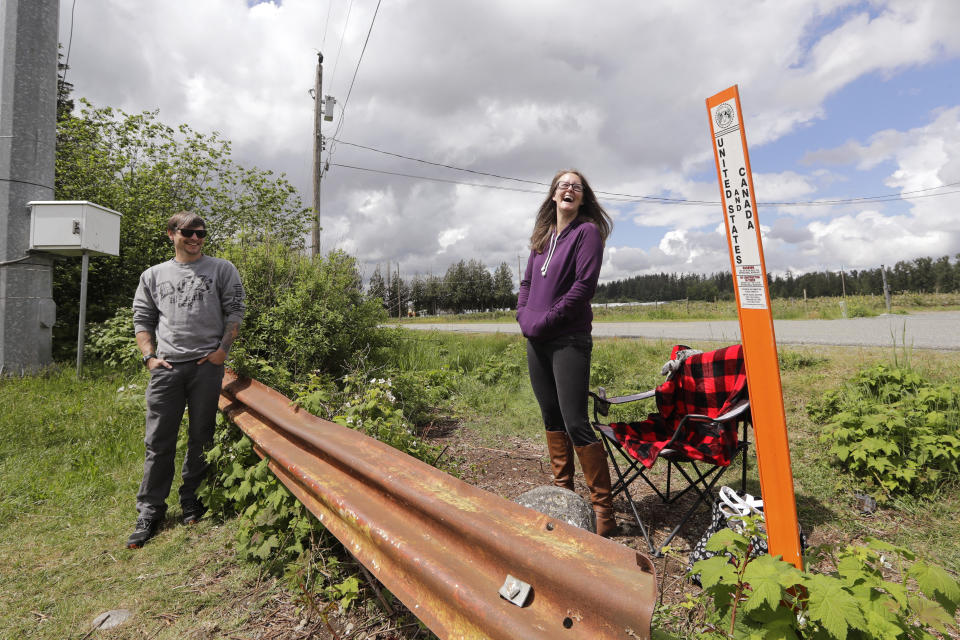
<point x="707" y="384"/>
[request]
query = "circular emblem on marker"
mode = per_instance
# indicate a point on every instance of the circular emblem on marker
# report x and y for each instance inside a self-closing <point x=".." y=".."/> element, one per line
<point x="724" y="115"/>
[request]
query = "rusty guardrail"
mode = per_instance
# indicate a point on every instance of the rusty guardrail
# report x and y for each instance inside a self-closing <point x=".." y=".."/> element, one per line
<point x="443" y="547"/>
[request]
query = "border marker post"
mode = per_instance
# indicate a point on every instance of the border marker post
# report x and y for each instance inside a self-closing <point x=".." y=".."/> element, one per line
<point x="756" y="323"/>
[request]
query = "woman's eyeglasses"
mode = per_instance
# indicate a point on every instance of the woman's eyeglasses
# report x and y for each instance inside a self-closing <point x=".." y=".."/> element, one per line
<point x="189" y="233"/>
<point x="576" y="188"/>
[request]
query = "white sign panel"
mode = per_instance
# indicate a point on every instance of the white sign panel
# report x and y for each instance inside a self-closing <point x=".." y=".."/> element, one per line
<point x="739" y="205"/>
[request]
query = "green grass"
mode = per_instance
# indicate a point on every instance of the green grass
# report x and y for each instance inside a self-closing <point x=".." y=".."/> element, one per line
<point x="71" y="455"/>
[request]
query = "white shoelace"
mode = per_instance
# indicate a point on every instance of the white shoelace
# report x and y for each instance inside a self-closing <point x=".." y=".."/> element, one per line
<point x="734" y="506"/>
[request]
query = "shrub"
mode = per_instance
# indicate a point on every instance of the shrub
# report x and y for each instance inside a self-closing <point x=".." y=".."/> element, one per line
<point x="113" y="341"/>
<point x="871" y="591"/>
<point x="303" y="315"/>
<point x="894" y="431"/>
<point x="370" y="406"/>
<point x="509" y="363"/>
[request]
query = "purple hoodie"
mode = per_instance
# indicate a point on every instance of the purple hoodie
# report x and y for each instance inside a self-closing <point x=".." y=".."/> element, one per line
<point x="555" y="301"/>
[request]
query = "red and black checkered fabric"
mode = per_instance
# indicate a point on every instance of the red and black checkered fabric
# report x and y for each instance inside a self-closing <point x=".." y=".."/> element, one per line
<point x="707" y="384"/>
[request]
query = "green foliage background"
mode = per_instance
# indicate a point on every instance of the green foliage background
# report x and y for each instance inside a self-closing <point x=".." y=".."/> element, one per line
<point x="304" y="316"/>
<point x="147" y="171"/>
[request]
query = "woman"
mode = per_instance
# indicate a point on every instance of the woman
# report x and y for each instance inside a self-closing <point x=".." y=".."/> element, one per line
<point x="554" y="313"/>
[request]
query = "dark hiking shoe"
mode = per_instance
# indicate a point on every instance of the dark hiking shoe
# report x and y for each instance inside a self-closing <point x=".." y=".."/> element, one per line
<point x="146" y="528"/>
<point x="192" y="515"/>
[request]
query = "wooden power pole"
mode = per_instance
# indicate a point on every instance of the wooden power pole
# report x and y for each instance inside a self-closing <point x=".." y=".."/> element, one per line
<point x="317" y="151"/>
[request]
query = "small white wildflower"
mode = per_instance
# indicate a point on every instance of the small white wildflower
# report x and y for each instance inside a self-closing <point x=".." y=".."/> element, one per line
<point x="121" y="389"/>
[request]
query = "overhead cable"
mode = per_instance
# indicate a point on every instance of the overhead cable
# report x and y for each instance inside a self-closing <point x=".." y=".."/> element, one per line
<point x="627" y="197"/>
<point x="343" y="109"/>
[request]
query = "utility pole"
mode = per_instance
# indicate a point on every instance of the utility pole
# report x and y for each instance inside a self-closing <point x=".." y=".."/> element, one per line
<point x="886" y="289"/>
<point x="317" y="151"/>
<point x="28" y="126"/>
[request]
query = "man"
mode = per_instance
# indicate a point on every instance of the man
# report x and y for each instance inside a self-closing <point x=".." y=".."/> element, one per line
<point x="194" y="305"/>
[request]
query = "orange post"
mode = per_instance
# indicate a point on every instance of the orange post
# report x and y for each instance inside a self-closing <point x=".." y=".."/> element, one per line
<point x="756" y="323"/>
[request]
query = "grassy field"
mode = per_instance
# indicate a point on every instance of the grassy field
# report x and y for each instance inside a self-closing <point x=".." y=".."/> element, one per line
<point x="783" y="309"/>
<point x="71" y="455"/>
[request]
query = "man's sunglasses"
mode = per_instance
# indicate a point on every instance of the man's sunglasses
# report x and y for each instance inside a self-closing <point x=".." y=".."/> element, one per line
<point x="188" y="233"/>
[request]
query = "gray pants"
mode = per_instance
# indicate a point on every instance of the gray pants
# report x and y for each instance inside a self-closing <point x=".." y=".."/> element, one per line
<point x="560" y="377"/>
<point x="191" y="385"/>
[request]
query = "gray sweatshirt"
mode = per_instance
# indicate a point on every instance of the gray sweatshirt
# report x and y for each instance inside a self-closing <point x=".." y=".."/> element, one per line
<point x="188" y="306"/>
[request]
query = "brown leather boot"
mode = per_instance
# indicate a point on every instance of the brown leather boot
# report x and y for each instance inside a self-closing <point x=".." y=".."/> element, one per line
<point x="561" y="458"/>
<point x="593" y="459"/>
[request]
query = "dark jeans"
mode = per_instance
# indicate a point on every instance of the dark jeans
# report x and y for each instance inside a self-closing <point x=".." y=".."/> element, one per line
<point x="560" y="376"/>
<point x="187" y="384"/>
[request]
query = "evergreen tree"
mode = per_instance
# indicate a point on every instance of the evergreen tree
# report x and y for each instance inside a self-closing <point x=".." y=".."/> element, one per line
<point x="503" y="295"/>
<point x="377" y="288"/>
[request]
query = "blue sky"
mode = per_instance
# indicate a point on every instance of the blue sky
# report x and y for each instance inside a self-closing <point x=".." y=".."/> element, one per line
<point x="841" y="100"/>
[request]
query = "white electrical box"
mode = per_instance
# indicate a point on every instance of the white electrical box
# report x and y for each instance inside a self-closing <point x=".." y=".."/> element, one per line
<point x="69" y="228"/>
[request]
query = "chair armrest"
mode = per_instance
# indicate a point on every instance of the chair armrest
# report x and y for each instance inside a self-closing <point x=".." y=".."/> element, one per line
<point x="735" y="412"/>
<point x="601" y="403"/>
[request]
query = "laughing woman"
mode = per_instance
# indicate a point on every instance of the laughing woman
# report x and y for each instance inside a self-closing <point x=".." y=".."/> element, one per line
<point x="553" y="309"/>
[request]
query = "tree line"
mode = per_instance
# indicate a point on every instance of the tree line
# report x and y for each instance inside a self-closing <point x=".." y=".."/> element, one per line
<point x="922" y="275"/>
<point x="466" y="286"/>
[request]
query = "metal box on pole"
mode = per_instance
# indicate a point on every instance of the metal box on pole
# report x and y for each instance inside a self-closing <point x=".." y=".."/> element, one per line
<point x="71" y="228"/>
<point x="75" y="228"/>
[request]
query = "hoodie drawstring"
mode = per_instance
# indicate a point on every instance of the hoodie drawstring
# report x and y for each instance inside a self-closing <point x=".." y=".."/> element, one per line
<point x="553" y="246"/>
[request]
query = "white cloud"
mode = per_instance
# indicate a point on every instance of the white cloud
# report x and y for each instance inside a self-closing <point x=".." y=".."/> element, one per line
<point x="524" y="88"/>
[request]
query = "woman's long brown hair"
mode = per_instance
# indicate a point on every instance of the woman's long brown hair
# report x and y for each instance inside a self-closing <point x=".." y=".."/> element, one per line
<point x="590" y="210"/>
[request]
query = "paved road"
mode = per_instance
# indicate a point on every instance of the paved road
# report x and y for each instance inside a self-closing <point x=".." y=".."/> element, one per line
<point x="931" y="330"/>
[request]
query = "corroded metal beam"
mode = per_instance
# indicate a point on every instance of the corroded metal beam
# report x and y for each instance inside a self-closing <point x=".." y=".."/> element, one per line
<point x="443" y="547"/>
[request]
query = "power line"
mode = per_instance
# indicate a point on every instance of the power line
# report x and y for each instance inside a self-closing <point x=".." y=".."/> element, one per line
<point x="440" y="164"/>
<point x="323" y="43"/>
<point x="66" y="62"/>
<point x="618" y="197"/>
<point x="343" y="109"/>
<point x="415" y="177"/>
<point x="343" y="34"/>
<point x="627" y="197"/>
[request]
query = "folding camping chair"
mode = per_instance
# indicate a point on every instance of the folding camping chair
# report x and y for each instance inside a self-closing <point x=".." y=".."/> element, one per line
<point x="694" y="431"/>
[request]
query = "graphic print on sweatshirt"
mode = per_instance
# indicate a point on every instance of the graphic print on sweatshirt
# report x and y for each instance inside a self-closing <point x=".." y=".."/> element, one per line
<point x="188" y="290"/>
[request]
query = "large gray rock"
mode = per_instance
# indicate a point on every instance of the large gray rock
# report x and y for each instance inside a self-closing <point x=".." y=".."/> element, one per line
<point x="561" y="504"/>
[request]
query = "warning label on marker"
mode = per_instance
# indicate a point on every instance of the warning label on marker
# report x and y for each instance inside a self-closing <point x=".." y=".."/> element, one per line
<point x="750" y="286"/>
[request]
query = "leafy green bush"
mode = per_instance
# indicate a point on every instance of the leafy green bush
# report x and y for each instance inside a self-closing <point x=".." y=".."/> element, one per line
<point x="303" y="315"/>
<point x="370" y="406"/>
<point x="419" y="393"/>
<point x="872" y="591"/>
<point x="273" y="527"/>
<point x="113" y="341"/>
<point x="509" y="363"/>
<point x="894" y="431"/>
